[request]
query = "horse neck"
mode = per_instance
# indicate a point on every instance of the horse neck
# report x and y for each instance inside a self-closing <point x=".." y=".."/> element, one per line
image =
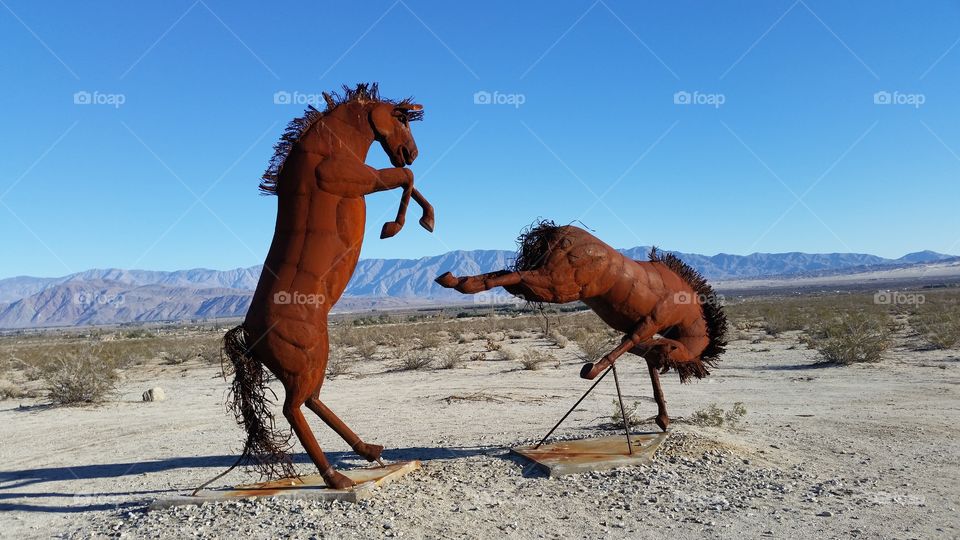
<point x="347" y="129"/>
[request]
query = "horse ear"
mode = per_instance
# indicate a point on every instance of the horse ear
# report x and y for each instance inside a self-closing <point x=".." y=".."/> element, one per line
<point x="330" y="103"/>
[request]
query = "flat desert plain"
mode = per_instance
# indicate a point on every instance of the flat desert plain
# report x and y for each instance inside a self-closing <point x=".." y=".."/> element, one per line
<point x="823" y="451"/>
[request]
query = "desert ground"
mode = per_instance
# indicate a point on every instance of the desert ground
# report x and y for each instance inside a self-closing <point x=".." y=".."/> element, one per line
<point x="827" y="443"/>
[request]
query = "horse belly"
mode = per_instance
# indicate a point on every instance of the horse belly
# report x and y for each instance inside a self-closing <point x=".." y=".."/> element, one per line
<point x="332" y="244"/>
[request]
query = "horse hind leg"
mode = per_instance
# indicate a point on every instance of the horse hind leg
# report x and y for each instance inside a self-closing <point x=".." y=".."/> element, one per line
<point x="370" y="452"/>
<point x="297" y="393"/>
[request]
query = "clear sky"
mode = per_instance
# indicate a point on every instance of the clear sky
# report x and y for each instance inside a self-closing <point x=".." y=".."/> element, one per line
<point x="779" y="144"/>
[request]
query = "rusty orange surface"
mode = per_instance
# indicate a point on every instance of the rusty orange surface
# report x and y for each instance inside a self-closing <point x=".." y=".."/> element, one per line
<point x="362" y="477"/>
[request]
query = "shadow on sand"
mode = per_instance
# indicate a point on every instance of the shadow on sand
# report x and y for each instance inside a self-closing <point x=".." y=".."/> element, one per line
<point x="12" y="482"/>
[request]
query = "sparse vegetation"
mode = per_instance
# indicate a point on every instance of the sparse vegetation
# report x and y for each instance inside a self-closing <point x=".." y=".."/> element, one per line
<point x="714" y="416"/>
<point x="451" y="358"/>
<point x="534" y="359"/>
<point x="593" y="345"/>
<point x="938" y="324"/>
<point x="415" y="359"/>
<point x="78" y="377"/>
<point x="633" y="417"/>
<point x="851" y="337"/>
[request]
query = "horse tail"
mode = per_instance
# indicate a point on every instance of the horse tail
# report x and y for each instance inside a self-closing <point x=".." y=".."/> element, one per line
<point x="266" y="447"/>
<point x="713" y="316"/>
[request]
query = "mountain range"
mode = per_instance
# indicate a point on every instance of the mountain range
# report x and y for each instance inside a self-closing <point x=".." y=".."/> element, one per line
<point x="112" y="295"/>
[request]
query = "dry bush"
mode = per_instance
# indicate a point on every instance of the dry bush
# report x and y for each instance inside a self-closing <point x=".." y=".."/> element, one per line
<point x="633" y="417"/>
<point x="938" y="324"/>
<point x="478" y="357"/>
<point x="366" y="350"/>
<point x="337" y="363"/>
<point x="851" y="337"/>
<point x="714" y="416"/>
<point x="782" y="318"/>
<point x="79" y="376"/>
<point x="9" y="390"/>
<point x="533" y="359"/>
<point x="427" y="339"/>
<point x="593" y="345"/>
<point x="493" y="346"/>
<point x="415" y="359"/>
<point x="451" y="358"/>
<point x="558" y="339"/>
<point x="509" y="354"/>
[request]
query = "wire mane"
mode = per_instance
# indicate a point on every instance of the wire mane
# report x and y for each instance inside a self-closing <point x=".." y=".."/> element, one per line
<point x="711" y="305"/>
<point x="363" y="93"/>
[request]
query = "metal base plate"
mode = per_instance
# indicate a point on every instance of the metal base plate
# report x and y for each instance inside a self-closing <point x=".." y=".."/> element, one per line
<point x="585" y="455"/>
<point x="305" y="487"/>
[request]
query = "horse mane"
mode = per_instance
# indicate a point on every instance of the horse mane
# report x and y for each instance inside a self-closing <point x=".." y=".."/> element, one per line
<point x="362" y="93"/>
<point x="709" y="302"/>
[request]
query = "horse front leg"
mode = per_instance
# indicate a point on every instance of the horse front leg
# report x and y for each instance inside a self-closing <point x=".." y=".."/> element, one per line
<point x="392" y="178"/>
<point x="643" y="332"/>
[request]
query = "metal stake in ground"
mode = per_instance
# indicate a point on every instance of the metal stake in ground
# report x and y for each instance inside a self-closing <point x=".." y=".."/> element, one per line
<point x="594" y="385"/>
<point x="623" y="410"/>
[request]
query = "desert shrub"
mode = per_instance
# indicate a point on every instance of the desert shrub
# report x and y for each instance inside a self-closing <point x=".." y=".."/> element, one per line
<point x="493" y="346"/>
<point x="515" y="334"/>
<point x="534" y="359"/>
<point x="558" y="339"/>
<point x="366" y="350"/>
<point x="593" y="345"/>
<point x="937" y="324"/>
<point x="9" y="390"/>
<point x="633" y="418"/>
<point x="509" y="354"/>
<point x="714" y="416"/>
<point x="337" y="363"/>
<point x="851" y="337"/>
<point x="451" y="358"/>
<point x="781" y="318"/>
<point x="478" y="357"/>
<point x="429" y="340"/>
<point x="415" y="359"/>
<point x="78" y="377"/>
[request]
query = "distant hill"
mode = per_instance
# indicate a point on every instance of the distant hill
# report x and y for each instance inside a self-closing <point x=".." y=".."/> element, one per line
<point x="112" y="295"/>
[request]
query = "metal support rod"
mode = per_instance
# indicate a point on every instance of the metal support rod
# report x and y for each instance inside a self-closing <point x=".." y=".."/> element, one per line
<point x="623" y="410"/>
<point x="594" y="385"/>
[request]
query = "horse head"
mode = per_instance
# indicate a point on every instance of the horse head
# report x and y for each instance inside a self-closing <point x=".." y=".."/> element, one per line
<point x="391" y="128"/>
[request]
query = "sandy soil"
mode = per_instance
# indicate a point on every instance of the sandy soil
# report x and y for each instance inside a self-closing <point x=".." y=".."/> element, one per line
<point x="863" y="451"/>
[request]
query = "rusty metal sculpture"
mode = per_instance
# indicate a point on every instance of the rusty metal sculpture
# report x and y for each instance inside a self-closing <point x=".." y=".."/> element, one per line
<point x="320" y="179"/>
<point x="669" y="314"/>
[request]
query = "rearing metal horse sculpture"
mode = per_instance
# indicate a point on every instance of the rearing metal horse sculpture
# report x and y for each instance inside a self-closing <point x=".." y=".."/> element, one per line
<point x="667" y="312"/>
<point x="320" y="179"/>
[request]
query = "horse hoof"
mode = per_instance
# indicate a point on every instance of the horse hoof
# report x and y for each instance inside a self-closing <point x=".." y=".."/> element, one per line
<point x="663" y="421"/>
<point x="369" y="452"/>
<point x="447" y="280"/>
<point x="338" y="481"/>
<point x="427" y="223"/>
<point x="389" y="229"/>
<point x="586" y="372"/>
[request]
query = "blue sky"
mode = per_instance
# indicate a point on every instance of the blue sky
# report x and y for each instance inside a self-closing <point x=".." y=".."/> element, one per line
<point x="779" y="143"/>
